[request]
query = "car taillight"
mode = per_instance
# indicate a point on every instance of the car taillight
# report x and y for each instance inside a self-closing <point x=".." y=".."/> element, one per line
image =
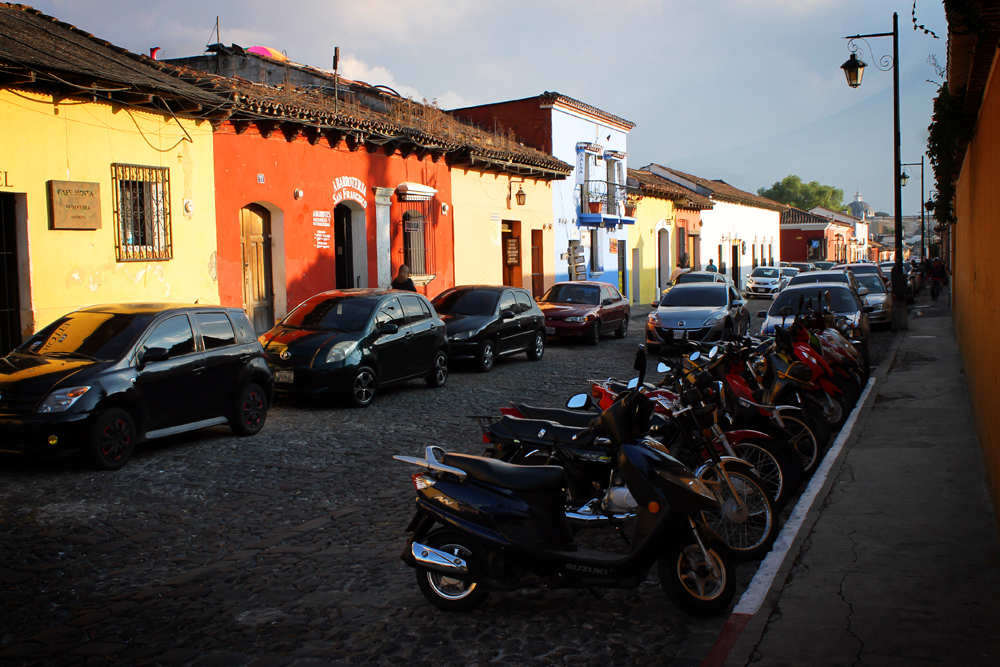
<point x="422" y="481"/>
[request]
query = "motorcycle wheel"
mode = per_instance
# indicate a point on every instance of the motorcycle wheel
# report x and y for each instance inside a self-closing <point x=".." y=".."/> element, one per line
<point x="444" y="592"/>
<point x="834" y="412"/>
<point x="779" y="476"/>
<point x="748" y="531"/>
<point x="817" y="420"/>
<point x="801" y="438"/>
<point x="688" y="581"/>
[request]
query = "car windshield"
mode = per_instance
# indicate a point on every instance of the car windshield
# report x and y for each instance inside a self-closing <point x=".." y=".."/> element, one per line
<point x="842" y="300"/>
<point x="103" y="336"/>
<point x="788" y="271"/>
<point x="823" y="266"/>
<point x="466" y="302"/>
<point x="340" y="313"/>
<point x="695" y="296"/>
<point x="694" y="278"/>
<point x="761" y="272"/>
<point x="818" y="278"/>
<point x="863" y="268"/>
<point x="569" y="293"/>
<point x="872" y="282"/>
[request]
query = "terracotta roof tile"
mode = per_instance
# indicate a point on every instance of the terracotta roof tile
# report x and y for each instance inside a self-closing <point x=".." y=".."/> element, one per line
<point x="722" y="191"/>
<point x="552" y="97"/>
<point x="653" y="185"/>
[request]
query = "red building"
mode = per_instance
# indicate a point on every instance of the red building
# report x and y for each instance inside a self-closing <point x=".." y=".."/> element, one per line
<point x="806" y="237"/>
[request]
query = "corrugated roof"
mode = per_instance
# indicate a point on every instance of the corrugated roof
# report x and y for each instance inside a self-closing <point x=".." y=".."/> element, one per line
<point x="40" y="51"/>
<point x="656" y="186"/>
<point x="722" y="191"/>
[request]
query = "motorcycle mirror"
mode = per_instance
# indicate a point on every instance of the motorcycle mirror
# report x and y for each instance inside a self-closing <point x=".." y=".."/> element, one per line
<point x="802" y="300"/>
<point x="829" y="298"/>
<point x="662" y="368"/>
<point x="694" y="356"/>
<point x="714" y="351"/>
<point x="786" y="311"/>
<point x="578" y="401"/>
<point x="633" y="383"/>
<point x="640" y="362"/>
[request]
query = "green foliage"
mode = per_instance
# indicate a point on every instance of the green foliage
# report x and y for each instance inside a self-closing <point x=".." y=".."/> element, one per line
<point x="792" y="191"/>
<point x="950" y="127"/>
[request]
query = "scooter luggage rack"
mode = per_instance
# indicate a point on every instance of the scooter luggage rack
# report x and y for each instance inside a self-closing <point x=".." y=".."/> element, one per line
<point x="484" y="421"/>
<point x="431" y="462"/>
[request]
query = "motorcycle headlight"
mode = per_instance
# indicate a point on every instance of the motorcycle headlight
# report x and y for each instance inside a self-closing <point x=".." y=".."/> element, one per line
<point x="759" y="366"/>
<point x="62" y="399"/>
<point x="341" y="351"/>
<point x="715" y="319"/>
<point x="576" y="319"/>
<point x="462" y="335"/>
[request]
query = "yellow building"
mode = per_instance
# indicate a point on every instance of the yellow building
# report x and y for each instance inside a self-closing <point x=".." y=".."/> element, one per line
<point x="498" y="239"/>
<point x="665" y="208"/>
<point x="107" y="192"/>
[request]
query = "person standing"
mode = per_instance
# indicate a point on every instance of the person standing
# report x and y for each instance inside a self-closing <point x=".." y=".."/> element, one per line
<point x="938" y="275"/>
<point x="678" y="270"/>
<point x="403" y="281"/>
<point x="712" y="267"/>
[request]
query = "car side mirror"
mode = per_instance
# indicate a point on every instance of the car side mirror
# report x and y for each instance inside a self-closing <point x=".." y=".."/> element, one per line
<point x="388" y="328"/>
<point x="507" y="314"/>
<point x="761" y="313"/>
<point x="150" y="354"/>
<point x="578" y="401"/>
<point x="607" y="302"/>
<point x="867" y="309"/>
<point x="737" y="304"/>
<point x="862" y="291"/>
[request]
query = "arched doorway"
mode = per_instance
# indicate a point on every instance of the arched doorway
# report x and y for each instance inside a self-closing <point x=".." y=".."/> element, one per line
<point x="662" y="259"/>
<point x="350" y="242"/>
<point x="258" y="291"/>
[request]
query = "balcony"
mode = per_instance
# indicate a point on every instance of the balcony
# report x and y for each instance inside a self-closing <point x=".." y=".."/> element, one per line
<point x="607" y="204"/>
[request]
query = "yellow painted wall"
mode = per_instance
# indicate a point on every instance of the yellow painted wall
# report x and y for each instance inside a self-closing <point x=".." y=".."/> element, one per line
<point x="478" y="252"/>
<point x="69" y="140"/>
<point x="976" y="286"/>
<point x="643" y="235"/>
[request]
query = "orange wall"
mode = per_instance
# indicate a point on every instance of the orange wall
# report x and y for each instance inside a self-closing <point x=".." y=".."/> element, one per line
<point x="290" y="165"/>
<point x="976" y="290"/>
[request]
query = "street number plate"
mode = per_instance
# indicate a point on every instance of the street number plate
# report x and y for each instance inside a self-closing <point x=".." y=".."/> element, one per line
<point x="679" y="334"/>
<point x="550" y="330"/>
<point x="284" y="377"/>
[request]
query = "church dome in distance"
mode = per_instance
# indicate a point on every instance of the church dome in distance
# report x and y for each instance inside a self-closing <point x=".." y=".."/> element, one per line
<point x="860" y="209"/>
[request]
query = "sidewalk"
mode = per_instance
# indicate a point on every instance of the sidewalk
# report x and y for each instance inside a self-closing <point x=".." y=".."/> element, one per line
<point x="897" y="562"/>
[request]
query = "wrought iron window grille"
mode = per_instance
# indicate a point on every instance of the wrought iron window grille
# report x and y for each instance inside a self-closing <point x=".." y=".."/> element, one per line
<point x="141" y="211"/>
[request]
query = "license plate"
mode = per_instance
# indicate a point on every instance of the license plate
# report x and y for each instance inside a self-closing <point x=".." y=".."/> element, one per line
<point x="679" y="334"/>
<point x="550" y="330"/>
<point x="284" y="377"/>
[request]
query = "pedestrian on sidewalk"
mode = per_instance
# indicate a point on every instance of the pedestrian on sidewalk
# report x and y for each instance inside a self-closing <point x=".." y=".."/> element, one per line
<point x="938" y="275"/>
<point x="712" y="267"/>
<point x="681" y="267"/>
<point x="403" y="280"/>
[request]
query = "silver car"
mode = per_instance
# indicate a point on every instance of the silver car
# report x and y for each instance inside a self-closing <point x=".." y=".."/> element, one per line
<point x="765" y="281"/>
<point x="701" y="312"/>
<point x="878" y="297"/>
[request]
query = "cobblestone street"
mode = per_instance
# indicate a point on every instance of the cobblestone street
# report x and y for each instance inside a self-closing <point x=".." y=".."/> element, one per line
<point x="283" y="548"/>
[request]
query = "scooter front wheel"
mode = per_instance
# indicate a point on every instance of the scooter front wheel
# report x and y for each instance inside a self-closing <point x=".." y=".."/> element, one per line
<point x="749" y="524"/>
<point x="695" y="584"/>
<point x="449" y="593"/>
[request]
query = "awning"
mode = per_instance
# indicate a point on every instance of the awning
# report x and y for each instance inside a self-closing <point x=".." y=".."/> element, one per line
<point x="598" y="220"/>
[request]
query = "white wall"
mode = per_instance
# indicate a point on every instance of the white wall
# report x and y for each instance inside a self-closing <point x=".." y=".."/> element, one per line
<point x="728" y="223"/>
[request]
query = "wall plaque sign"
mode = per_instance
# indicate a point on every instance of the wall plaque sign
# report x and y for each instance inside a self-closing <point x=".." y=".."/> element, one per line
<point x="75" y="205"/>
<point x="513" y="251"/>
<point x="348" y="187"/>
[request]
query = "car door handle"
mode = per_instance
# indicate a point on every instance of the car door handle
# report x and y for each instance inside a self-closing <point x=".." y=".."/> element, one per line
<point x="197" y="370"/>
<point x="245" y="357"/>
<point x="409" y="334"/>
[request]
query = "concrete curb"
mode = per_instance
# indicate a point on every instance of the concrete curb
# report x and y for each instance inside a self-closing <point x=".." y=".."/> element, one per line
<point x="742" y="632"/>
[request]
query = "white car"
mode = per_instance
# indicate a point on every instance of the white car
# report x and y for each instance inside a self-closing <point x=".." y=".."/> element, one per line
<point x="764" y="283"/>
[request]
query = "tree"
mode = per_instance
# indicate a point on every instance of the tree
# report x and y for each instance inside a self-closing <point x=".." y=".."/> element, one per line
<point x="793" y="192"/>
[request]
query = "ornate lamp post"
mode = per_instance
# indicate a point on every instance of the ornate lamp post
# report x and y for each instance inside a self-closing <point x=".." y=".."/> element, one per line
<point x="923" y="254"/>
<point x="854" y="69"/>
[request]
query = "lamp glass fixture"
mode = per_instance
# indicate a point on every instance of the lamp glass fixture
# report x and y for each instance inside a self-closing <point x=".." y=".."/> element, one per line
<point x="903" y="178"/>
<point x="854" y="69"/>
<point x="520" y="196"/>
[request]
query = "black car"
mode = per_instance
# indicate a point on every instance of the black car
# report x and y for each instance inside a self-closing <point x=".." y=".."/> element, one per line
<point x="351" y="342"/>
<point x="103" y="378"/>
<point x="485" y="322"/>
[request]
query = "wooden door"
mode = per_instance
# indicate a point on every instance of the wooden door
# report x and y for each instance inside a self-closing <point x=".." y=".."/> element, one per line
<point x="344" y="247"/>
<point x="622" y="268"/>
<point x="258" y="294"/>
<point x="537" y="264"/>
<point x="10" y="303"/>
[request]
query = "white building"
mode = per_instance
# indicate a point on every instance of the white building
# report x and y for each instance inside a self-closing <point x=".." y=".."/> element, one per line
<point x="859" y="248"/>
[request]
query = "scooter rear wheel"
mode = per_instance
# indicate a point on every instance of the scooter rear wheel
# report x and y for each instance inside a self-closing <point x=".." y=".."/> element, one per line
<point x="689" y="581"/>
<point x="444" y="592"/>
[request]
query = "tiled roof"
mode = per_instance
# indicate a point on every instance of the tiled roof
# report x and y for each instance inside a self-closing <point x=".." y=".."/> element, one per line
<point x="722" y="191"/>
<point x="795" y="216"/>
<point x="39" y="51"/>
<point x="552" y="98"/>
<point x="405" y="122"/>
<point x="657" y="186"/>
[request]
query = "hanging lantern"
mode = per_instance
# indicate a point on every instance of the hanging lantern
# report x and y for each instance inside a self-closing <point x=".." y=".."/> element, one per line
<point x="854" y="69"/>
<point x="520" y="196"/>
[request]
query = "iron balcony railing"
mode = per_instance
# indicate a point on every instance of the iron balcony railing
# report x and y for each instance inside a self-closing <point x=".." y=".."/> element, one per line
<point x="609" y="198"/>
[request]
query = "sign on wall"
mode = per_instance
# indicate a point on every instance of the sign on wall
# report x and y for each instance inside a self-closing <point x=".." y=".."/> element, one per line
<point x="75" y="205"/>
<point x="321" y="221"/>
<point x="495" y="228"/>
<point x="513" y="251"/>
<point x="5" y="180"/>
<point x="348" y="187"/>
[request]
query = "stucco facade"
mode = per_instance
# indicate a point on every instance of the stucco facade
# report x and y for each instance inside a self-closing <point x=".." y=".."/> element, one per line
<point x="654" y="253"/>
<point x="60" y="270"/>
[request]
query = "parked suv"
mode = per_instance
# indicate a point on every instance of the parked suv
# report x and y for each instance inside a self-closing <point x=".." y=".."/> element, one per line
<point x="103" y="378"/>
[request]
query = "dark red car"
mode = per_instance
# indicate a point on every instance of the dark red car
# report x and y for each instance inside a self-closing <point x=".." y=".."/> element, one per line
<point x="584" y="310"/>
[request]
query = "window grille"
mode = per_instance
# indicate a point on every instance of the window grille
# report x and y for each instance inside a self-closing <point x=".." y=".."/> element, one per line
<point x="141" y="212"/>
<point x="416" y="220"/>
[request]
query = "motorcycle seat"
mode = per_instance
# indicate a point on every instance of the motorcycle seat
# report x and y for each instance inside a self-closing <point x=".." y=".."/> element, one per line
<point x="508" y="475"/>
<point x="539" y="430"/>
<point x="564" y="416"/>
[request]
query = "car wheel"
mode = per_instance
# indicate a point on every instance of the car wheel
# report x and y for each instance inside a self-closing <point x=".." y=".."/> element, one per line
<point x="486" y="356"/>
<point x="250" y="411"/>
<point x="361" y="391"/>
<point x="594" y="337"/>
<point x="623" y="329"/>
<point x="438" y="374"/>
<point x="112" y="440"/>
<point x="537" y="349"/>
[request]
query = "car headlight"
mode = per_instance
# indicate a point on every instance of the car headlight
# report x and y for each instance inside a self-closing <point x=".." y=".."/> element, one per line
<point x="884" y="305"/>
<point x="654" y="319"/>
<point x="715" y="319"/>
<point x="62" y="399"/>
<point x="341" y="351"/>
<point x="462" y="335"/>
<point x="576" y="319"/>
<point x="751" y="281"/>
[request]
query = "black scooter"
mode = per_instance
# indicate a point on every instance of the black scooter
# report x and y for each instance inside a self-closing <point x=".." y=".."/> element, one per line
<point x="483" y="524"/>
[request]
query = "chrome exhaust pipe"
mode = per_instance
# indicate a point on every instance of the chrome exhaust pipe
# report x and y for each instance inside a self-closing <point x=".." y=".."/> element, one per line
<point x="439" y="561"/>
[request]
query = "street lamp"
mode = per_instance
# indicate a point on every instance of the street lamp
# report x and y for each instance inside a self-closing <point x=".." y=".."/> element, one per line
<point x="923" y="254"/>
<point x="853" y="70"/>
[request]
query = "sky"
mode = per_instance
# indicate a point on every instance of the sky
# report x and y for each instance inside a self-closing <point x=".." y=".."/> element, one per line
<point x="748" y="91"/>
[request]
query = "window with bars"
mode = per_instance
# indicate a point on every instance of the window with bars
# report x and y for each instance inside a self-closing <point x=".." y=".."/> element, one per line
<point x="417" y="228"/>
<point x="141" y="212"/>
